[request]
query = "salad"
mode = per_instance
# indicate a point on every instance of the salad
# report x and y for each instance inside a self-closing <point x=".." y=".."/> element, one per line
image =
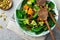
<point x="28" y="19"/>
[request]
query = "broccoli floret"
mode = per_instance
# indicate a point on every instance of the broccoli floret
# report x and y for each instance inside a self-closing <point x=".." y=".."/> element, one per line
<point x="26" y="21"/>
<point x="33" y="23"/>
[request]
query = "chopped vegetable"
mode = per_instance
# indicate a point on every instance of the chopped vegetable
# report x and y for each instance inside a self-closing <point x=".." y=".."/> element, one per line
<point x="51" y="23"/>
<point x="29" y="3"/>
<point x="26" y="7"/>
<point x="23" y="3"/>
<point x="36" y="29"/>
<point x="41" y="23"/>
<point x="47" y="4"/>
<point x="26" y="10"/>
<point x="51" y="5"/>
<point x="32" y="1"/>
<point x="35" y="15"/>
<point x="36" y="8"/>
<point x="30" y="11"/>
<point x="33" y="22"/>
<point x="52" y="11"/>
<point x="26" y="21"/>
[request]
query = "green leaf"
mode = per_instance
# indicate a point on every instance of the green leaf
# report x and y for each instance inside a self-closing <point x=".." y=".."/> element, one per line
<point x="47" y="3"/>
<point x="52" y="11"/>
<point x="35" y="15"/>
<point x="26" y="21"/>
<point x="36" y="8"/>
<point x="45" y="28"/>
<point x="50" y="21"/>
<point x="39" y="31"/>
<point x="36" y="29"/>
<point x="18" y="14"/>
<point x="33" y="1"/>
<point x="23" y="3"/>
<point x="51" y="5"/>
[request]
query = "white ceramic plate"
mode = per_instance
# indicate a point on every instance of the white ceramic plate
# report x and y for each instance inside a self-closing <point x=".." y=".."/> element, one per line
<point x="33" y="34"/>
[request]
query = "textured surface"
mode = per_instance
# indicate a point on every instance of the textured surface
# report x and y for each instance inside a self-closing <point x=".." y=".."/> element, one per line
<point x="4" y="33"/>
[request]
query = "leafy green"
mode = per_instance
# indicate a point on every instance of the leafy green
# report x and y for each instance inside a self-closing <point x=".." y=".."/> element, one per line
<point x="36" y="8"/>
<point x="26" y="21"/>
<point x="19" y="14"/>
<point x="22" y="25"/>
<point x="35" y="15"/>
<point x="37" y="29"/>
<point x="33" y="22"/>
<point x="23" y="3"/>
<point x="51" y="5"/>
<point x="47" y="4"/>
<point x="50" y="21"/>
<point x="33" y="1"/>
<point x="45" y="28"/>
<point x="52" y="11"/>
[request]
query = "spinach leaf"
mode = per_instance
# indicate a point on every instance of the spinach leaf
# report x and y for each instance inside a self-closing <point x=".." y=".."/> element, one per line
<point x="50" y="21"/>
<point x="35" y="16"/>
<point x="45" y="28"/>
<point x="37" y="29"/>
<point x="51" y="5"/>
<point x="23" y="3"/>
<point x="20" y="14"/>
<point x="52" y="11"/>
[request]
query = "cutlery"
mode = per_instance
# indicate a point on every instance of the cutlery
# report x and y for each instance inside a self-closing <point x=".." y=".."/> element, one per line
<point x="58" y="27"/>
<point x="43" y="15"/>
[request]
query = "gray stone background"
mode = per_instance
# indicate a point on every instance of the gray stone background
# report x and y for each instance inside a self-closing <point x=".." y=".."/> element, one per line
<point x="9" y="35"/>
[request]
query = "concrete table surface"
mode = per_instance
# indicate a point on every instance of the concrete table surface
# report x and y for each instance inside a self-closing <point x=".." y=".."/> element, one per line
<point x="4" y="33"/>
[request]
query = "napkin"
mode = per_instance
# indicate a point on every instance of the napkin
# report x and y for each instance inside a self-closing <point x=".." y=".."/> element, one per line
<point x="13" y="27"/>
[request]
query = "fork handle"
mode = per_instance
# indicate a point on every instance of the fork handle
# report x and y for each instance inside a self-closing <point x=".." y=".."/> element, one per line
<point x="51" y="32"/>
<point x="54" y="21"/>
